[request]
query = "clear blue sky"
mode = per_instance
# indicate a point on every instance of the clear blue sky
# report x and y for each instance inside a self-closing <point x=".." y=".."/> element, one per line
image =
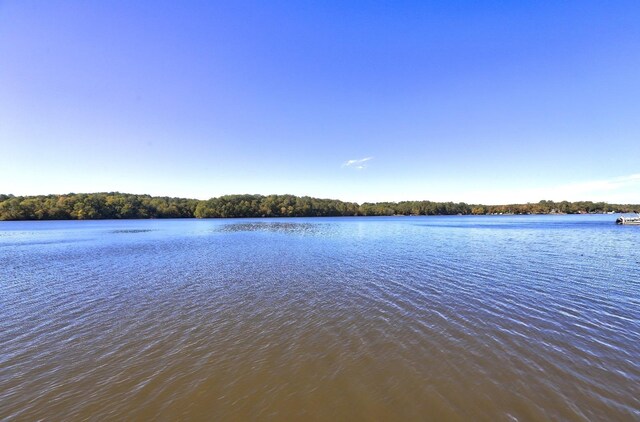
<point x="476" y="101"/>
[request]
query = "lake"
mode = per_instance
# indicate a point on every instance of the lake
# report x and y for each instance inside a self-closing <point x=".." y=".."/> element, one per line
<point x="392" y="318"/>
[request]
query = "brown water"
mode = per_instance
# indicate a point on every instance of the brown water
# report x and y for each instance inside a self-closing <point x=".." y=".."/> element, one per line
<point x="441" y="318"/>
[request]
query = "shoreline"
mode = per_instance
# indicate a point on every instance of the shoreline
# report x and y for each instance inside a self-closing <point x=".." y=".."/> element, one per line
<point x="119" y="206"/>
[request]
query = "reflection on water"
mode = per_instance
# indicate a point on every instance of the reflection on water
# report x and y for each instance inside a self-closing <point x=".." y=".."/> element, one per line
<point x="274" y="227"/>
<point x="131" y="231"/>
<point x="443" y="318"/>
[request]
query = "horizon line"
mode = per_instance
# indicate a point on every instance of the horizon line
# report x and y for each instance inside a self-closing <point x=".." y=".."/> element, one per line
<point x="315" y="197"/>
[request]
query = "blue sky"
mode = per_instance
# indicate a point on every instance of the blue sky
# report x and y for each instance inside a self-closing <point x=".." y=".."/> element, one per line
<point x="490" y="102"/>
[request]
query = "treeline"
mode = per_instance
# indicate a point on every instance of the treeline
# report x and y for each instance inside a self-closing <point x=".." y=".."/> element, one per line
<point x="451" y="208"/>
<point x="551" y="207"/>
<point x="94" y="206"/>
<point x="117" y="205"/>
<point x="274" y="206"/>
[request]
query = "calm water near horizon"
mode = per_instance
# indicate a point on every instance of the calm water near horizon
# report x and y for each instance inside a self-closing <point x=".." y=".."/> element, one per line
<point x="399" y="318"/>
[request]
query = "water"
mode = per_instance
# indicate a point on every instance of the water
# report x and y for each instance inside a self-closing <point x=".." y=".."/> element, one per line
<point x="408" y="318"/>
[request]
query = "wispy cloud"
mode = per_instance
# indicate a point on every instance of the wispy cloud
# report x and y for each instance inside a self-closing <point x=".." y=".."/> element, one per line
<point x="358" y="164"/>
<point x="621" y="190"/>
<point x="605" y="185"/>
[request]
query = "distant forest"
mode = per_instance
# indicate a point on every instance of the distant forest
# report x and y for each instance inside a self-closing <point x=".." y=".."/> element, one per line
<point x="114" y="205"/>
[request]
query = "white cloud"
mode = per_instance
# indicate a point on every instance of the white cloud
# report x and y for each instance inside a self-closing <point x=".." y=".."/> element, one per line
<point x="357" y="164"/>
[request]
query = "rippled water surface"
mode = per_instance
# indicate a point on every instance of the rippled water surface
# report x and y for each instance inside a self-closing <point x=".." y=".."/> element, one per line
<point x="409" y="318"/>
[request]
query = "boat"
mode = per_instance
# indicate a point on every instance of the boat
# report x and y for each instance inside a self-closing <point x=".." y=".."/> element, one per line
<point x="633" y="220"/>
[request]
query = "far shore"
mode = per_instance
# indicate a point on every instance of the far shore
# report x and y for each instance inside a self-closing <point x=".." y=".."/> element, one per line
<point x="115" y="205"/>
